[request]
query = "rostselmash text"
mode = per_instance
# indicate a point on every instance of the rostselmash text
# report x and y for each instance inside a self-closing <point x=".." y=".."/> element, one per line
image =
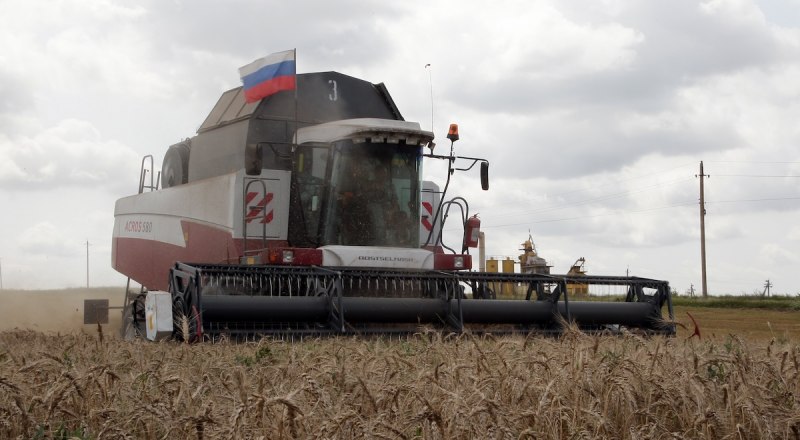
<point x="382" y="258"/>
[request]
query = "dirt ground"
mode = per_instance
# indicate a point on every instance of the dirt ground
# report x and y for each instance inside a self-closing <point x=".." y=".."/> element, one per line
<point x="757" y="324"/>
<point x="56" y="310"/>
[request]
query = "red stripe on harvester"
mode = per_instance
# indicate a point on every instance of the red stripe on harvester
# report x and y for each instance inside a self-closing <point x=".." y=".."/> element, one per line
<point x="257" y="209"/>
<point x="427" y="224"/>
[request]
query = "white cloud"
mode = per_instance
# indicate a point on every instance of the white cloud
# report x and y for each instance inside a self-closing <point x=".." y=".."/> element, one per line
<point x="45" y="239"/>
<point x="773" y="254"/>
<point x="737" y="11"/>
<point x="69" y="153"/>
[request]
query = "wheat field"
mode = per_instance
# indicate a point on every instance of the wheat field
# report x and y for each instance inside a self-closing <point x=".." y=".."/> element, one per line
<point x="431" y="385"/>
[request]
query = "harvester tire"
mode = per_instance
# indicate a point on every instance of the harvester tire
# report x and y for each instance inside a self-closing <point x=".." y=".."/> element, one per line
<point x="133" y="319"/>
<point x="175" y="168"/>
<point x="127" y="330"/>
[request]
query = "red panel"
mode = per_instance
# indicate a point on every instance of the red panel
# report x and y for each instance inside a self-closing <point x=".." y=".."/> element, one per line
<point x="302" y="256"/>
<point x="148" y="261"/>
<point x="447" y="262"/>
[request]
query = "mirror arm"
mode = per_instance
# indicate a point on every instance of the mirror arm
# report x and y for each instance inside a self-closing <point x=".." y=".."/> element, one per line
<point x="453" y="158"/>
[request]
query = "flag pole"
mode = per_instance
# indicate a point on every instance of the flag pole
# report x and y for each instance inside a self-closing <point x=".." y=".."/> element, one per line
<point x="296" y="122"/>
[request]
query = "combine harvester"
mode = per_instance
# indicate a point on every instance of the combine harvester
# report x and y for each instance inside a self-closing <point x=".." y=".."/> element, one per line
<point x="305" y="213"/>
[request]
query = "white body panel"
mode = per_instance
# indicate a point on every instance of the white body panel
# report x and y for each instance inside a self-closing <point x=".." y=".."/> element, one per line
<point x="158" y="315"/>
<point x="429" y="201"/>
<point x="267" y="213"/>
<point x="215" y="202"/>
<point x="371" y="256"/>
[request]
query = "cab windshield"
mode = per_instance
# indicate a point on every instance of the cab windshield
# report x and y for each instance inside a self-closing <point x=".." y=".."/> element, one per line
<point x="364" y="194"/>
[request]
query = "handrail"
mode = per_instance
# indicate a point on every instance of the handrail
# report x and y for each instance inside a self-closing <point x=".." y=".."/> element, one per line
<point x="245" y="210"/>
<point x="143" y="172"/>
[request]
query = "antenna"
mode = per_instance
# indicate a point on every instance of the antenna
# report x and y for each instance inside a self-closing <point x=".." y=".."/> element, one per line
<point x="430" y="81"/>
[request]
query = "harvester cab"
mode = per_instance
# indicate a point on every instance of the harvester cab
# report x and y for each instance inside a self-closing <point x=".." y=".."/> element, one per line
<point x="306" y="213"/>
<point x="357" y="191"/>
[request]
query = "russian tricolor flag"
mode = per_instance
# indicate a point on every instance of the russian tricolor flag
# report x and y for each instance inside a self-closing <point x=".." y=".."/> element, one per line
<point x="268" y="75"/>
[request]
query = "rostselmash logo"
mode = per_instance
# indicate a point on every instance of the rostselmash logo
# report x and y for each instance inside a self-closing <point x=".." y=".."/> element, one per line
<point x="382" y="258"/>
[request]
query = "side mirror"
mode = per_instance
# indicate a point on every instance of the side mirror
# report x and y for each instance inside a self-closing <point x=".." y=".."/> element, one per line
<point x="485" y="175"/>
<point x="252" y="159"/>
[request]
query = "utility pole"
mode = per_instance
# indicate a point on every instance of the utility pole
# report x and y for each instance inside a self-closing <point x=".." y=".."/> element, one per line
<point x="703" y="230"/>
<point x="767" y="286"/>
<point x="87" y="264"/>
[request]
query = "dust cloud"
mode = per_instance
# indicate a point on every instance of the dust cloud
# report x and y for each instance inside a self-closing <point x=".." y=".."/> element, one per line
<point x="57" y="310"/>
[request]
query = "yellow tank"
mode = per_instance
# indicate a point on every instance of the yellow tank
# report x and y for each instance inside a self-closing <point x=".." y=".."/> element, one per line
<point x="508" y="288"/>
<point x="578" y="270"/>
<point x="493" y="266"/>
<point x="508" y="265"/>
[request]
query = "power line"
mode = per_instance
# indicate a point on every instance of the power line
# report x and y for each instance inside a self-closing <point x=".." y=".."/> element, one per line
<point x="595" y="199"/>
<point x="639" y="190"/>
<point x="651" y="174"/>
<point x="637" y="211"/>
<point x="753" y="175"/>
<point x="648" y="174"/>
<point x="756" y="200"/>
<point x="616" y="182"/>
<point x="634" y="211"/>
<point x="624" y="193"/>
<point x="751" y="161"/>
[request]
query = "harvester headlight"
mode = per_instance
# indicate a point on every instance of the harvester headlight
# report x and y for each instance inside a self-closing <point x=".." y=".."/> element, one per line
<point x="458" y="262"/>
<point x="287" y="257"/>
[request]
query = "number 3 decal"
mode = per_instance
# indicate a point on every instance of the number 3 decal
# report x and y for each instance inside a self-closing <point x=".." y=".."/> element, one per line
<point x="334" y="95"/>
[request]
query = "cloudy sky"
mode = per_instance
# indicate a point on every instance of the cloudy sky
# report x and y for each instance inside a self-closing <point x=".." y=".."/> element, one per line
<point x="594" y="116"/>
